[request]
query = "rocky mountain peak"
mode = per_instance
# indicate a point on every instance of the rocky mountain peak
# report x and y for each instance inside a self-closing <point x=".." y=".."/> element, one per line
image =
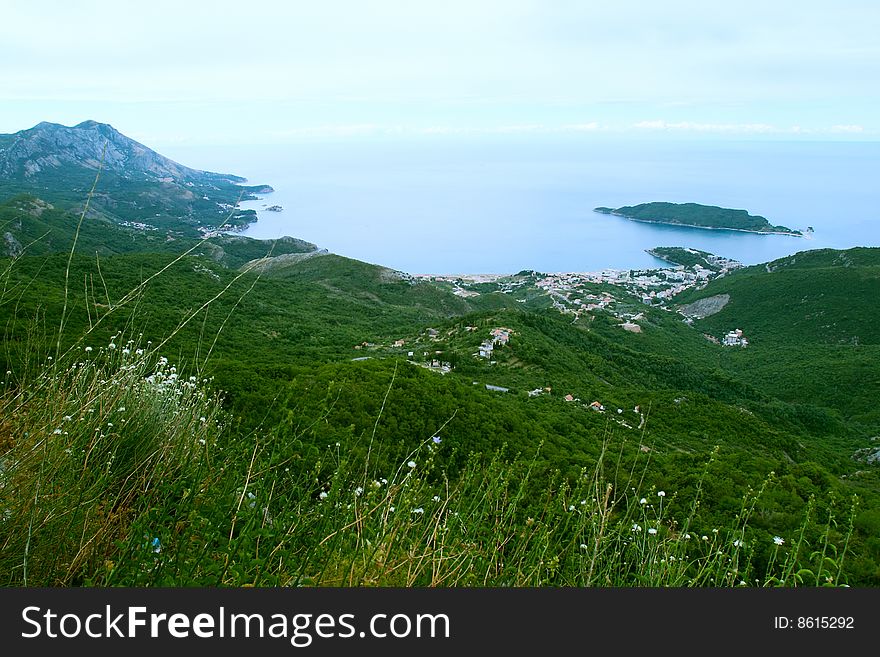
<point x="91" y="145"/>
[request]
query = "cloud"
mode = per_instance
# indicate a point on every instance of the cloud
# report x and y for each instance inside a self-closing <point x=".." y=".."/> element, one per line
<point x="333" y="131"/>
<point x="746" y="128"/>
<point x="690" y="126"/>
<point x="540" y="128"/>
<point x="848" y="129"/>
<point x="375" y="130"/>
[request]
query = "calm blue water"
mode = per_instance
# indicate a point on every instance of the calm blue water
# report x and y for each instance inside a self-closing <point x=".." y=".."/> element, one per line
<point x="496" y="206"/>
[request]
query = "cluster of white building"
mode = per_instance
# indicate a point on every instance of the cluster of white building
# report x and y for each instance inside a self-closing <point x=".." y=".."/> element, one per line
<point x="735" y="338"/>
<point x="497" y="336"/>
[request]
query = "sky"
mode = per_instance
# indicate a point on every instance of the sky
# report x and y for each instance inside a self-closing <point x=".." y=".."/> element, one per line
<point x="173" y="72"/>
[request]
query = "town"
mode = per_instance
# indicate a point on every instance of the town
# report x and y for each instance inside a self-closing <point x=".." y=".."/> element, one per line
<point x="619" y="293"/>
<point x="576" y="293"/>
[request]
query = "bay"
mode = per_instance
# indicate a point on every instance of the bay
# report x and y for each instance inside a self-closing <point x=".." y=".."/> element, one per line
<point x="449" y="205"/>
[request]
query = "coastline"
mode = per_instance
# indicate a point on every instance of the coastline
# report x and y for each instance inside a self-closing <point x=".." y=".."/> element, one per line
<point x="682" y="225"/>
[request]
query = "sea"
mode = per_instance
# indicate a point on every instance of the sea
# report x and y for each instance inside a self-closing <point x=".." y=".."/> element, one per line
<point x="468" y="205"/>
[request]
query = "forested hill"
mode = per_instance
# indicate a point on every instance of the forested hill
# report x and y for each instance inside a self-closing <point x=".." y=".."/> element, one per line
<point x="697" y="216"/>
<point x="811" y="326"/>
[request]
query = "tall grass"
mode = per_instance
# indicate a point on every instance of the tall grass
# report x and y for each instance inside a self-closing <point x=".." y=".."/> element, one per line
<point x="88" y="446"/>
<point x="115" y="470"/>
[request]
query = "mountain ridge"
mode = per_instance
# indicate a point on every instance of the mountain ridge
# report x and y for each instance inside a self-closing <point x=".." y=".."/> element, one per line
<point x="51" y="145"/>
<point x="59" y="164"/>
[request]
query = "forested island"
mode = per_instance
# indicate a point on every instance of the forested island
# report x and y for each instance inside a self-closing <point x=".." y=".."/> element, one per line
<point x="699" y="216"/>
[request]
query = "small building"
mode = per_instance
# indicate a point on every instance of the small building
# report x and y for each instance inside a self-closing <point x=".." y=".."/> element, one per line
<point x="496" y="388"/>
<point x="734" y="338"/>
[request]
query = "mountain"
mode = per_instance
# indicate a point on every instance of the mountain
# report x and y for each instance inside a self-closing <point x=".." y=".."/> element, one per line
<point x="46" y="146"/>
<point x="59" y="164"/>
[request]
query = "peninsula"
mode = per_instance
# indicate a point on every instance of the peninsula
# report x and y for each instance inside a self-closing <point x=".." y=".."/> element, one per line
<point x="695" y="215"/>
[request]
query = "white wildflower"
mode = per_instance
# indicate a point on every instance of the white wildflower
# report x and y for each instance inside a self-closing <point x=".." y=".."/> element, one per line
<point x="661" y="493"/>
<point x="411" y="464"/>
<point x="652" y="531"/>
<point x="778" y="540"/>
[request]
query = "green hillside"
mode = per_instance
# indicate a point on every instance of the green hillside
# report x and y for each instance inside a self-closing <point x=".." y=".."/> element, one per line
<point x="810" y="322"/>
<point x="281" y="345"/>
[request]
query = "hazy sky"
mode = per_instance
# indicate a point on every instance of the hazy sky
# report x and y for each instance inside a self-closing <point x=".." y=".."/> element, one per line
<point x="260" y="71"/>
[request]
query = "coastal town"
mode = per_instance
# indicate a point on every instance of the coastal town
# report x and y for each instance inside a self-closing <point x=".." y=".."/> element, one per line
<point x="576" y="293"/>
<point x="625" y="295"/>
